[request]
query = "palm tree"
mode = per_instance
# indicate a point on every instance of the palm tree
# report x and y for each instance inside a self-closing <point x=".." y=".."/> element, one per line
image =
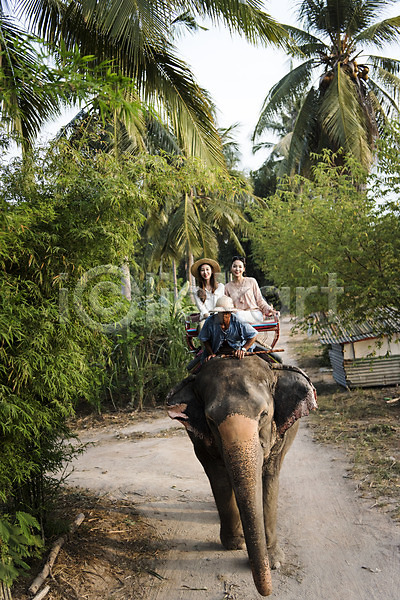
<point x="139" y="38"/>
<point x="276" y="165"/>
<point x="27" y="97"/>
<point x="207" y="205"/>
<point x="355" y="95"/>
<point x="188" y="225"/>
<point x="230" y="147"/>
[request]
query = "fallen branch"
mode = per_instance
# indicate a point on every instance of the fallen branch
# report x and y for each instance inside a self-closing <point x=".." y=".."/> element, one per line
<point x="187" y="587"/>
<point x="42" y="594"/>
<point x="393" y="400"/>
<point x="53" y="555"/>
<point x="154" y="573"/>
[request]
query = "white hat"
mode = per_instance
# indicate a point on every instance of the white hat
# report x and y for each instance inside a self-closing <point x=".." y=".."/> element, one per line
<point x="224" y="304"/>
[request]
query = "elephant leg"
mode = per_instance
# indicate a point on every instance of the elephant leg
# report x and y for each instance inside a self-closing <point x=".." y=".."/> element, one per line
<point x="270" y="497"/>
<point x="270" y="500"/>
<point x="231" y="532"/>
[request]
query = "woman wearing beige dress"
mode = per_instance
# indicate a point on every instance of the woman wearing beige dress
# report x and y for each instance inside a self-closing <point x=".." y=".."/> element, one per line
<point x="246" y="294"/>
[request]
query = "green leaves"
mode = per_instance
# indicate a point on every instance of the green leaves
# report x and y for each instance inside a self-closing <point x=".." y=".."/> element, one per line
<point x="62" y="214"/>
<point x="199" y="204"/>
<point x="344" y="118"/>
<point x="333" y="225"/>
<point x="139" y="39"/>
<point x="17" y="541"/>
<point x="382" y="33"/>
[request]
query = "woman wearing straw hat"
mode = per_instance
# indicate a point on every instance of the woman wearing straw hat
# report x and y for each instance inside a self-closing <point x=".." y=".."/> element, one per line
<point x="207" y="290"/>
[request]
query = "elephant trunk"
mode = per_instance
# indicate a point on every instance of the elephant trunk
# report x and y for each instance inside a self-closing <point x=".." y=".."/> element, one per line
<point x="243" y="459"/>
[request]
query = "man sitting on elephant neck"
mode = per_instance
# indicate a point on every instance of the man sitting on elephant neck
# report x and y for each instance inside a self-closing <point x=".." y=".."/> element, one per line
<point x="224" y="333"/>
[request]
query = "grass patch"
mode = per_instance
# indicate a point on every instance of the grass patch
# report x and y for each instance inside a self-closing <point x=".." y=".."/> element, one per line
<point x="362" y="423"/>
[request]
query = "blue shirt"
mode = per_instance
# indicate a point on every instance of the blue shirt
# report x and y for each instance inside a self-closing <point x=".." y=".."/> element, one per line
<point x="237" y="334"/>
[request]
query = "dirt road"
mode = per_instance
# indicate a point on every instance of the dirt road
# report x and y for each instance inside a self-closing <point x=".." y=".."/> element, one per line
<point x="337" y="546"/>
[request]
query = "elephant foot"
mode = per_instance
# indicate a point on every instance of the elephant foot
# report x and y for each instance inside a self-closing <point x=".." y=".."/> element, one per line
<point x="233" y="542"/>
<point x="276" y="557"/>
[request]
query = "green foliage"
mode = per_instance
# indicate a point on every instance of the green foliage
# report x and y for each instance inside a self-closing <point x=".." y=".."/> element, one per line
<point x="147" y="359"/>
<point x="332" y="225"/>
<point x="389" y="163"/>
<point x="264" y="179"/>
<point x="150" y="354"/>
<point x="200" y="204"/>
<point x="34" y="89"/>
<point x="17" y="542"/>
<point x="61" y="214"/>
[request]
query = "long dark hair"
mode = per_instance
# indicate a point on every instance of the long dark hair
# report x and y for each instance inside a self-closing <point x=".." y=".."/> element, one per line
<point x="200" y="280"/>
<point x="242" y="259"/>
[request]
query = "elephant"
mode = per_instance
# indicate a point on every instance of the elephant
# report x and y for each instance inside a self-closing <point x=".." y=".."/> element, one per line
<point x="242" y="417"/>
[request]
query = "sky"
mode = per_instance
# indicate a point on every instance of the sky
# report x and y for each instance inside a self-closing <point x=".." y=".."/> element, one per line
<point x="237" y="75"/>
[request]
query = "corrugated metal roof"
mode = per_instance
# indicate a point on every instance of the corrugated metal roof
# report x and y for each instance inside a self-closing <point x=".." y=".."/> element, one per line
<point x="334" y="330"/>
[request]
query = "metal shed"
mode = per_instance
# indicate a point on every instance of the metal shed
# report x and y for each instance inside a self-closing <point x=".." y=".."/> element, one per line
<point x="363" y="354"/>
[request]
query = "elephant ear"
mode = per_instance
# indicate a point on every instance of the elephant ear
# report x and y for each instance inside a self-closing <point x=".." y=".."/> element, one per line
<point x="294" y="396"/>
<point x="183" y="404"/>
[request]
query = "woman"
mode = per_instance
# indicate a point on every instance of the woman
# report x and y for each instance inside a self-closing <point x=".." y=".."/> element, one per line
<point x="207" y="290"/>
<point x="246" y="295"/>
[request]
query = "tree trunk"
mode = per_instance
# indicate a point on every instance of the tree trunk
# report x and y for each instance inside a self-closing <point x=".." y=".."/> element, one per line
<point x="5" y="592"/>
<point x="126" y="280"/>
<point x="191" y="279"/>
<point x="175" y="280"/>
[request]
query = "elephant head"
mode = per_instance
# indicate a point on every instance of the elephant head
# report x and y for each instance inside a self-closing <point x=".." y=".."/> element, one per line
<point x="241" y="417"/>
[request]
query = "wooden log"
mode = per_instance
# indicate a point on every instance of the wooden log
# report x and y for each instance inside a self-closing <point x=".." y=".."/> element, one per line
<point x="53" y="555"/>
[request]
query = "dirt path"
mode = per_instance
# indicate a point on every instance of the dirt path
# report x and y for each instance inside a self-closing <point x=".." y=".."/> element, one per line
<point x="337" y="546"/>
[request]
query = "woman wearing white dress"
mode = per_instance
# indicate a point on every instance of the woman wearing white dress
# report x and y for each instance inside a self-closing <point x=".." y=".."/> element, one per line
<point x="207" y="290"/>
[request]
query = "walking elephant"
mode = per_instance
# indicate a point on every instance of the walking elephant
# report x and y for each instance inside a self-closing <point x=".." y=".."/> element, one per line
<point x="242" y="416"/>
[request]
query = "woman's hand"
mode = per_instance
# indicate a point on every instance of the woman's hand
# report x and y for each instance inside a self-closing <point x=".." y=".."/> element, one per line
<point x="272" y="313"/>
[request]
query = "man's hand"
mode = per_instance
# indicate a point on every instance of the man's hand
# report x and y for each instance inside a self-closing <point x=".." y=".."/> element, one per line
<point x="240" y="353"/>
<point x="210" y="356"/>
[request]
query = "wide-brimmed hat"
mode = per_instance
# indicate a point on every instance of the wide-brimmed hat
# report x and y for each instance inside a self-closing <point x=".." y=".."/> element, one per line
<point x="224" y="304"/>
<point x="194" y="269"/>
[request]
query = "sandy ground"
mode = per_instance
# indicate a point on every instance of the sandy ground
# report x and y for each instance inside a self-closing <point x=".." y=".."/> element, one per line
<point x="338" y="547"/>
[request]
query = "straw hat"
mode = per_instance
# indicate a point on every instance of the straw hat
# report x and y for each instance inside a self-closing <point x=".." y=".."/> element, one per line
<point x="224" y="304"/>
<point x="194" y="269"/>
